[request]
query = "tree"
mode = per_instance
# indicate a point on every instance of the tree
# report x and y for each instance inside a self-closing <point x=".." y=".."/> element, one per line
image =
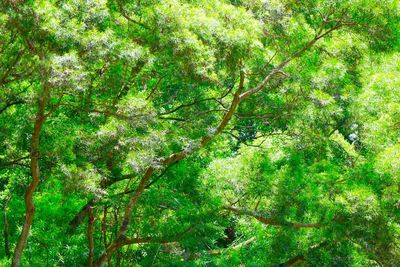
<point x="199" y="132"/>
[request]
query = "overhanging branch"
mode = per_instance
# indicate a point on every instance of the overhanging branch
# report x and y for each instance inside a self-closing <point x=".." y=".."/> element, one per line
<point x="270" y="221"/>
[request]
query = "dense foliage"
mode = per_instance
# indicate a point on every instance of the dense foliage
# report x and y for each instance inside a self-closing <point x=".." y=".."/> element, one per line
<point x="200" y="132"/>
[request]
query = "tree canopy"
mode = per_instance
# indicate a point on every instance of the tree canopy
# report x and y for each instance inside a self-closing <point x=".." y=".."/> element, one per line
<point x="200" y="132"/>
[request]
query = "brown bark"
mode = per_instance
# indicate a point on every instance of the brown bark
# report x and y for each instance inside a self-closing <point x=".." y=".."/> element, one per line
<point x="271" y="221"/>
<point x="90" y="235"/>
<point x="6" y="245"/>
<point x="104" y="226"/>
<point x="35" y="173"/>
<point x="13" y="162"/>
<point x="83" y="212"/>
<point x="143" y="240"/>
<point x="10" y="104"/>
<point x="236" y="247"/>
<point x="118" y="259"/>
<point x="11" y="67"/>
<point x="302" y="258"/>
<point x="104" y="231"/>
<point x="80" y="216"/>
<point x="292" y="261"/>
<point x="35" y="145"/>
<point x="155" y="87"/>
<point x="120" y="240"/>
<point x="239" y="96"/>
<point x="294" y="55"/>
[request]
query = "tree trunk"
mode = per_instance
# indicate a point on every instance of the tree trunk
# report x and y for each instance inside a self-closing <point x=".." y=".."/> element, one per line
<point x="104" y="231"/>
<point x="35" y="172"/>
<point x="90" y="235"/>
<point x="118" y="259"/>
<point x="6" y="245"/>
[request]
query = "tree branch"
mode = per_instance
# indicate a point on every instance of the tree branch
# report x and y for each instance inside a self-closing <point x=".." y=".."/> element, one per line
<point x="269" y="221"/>
<point x="14" y="162"/>
<point x="140" y="240"/>
<point x="83" y="212"/>
<point x="104" y="112"/>
<point x="294" y="55"/>
<point x="155" y="87"/>
<point x="9" y="69"/>
<point x="123" y="13"/>
<point x="236" y="247"/>
<point x="302" y="257"/>
<point x="10" y="104"/>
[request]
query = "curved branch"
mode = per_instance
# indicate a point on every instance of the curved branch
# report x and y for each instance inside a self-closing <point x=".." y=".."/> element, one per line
<point x="14" y="162"/>
<point x="236" y="247"/>
<point x="116" y="244"/>
<point x="303" y="257"/>
<point x="140" y="240"/>
<point x="12" y="65"/>
<point x="83" y="212"/>
<point x="155" y="87"/>
<point x="125" y="15"/>
<point x="278" y="69"/>
<point x="217" y="99"/>
<point x="269" y="221"/>
<point x="10" y="104"/>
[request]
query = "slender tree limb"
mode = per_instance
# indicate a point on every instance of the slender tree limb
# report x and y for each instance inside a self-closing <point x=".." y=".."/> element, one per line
<point x="83" y="212"/>
<point x="125" y="15"/>
<point x="236" y="247"/>
<point x="172" y="118"/>
<point x="217" y="99"/>
<point x="141" y="240"/>
<point x="10" y="104"/>
<point x="158" y="177"/>
<point x="35" y="170"/>
<point x="292" y="261"/>
<point x="104" y="226"/>
<point x="80" y="216"/>
<point x="270" y="221"/>
<point x="14" y="102"/>
<point x="155" y="87"/>
<point x="10" y="68"/>
<point x="294" y="55"/>
<point x="55" y="107"/>
<point x="104" y="112"/>
<point x="14" y="162"/>
<point x="303" y="257"/>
